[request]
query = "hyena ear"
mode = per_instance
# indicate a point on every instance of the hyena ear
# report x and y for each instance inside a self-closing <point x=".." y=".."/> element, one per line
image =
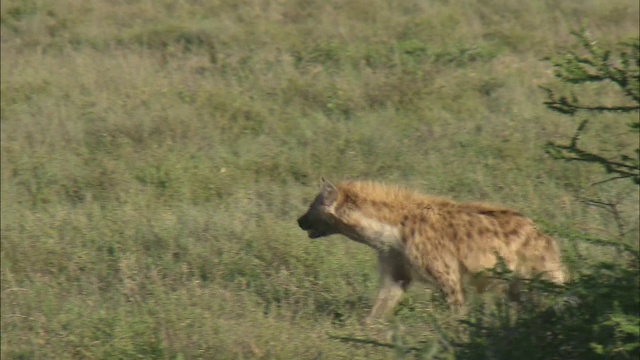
<point x="329" y="192"/>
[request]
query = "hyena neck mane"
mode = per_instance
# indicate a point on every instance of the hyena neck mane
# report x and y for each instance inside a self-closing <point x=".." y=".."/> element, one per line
<point x="392" y="204"/>
<point x="374" y="213"/>
<point x="386" y="203"/>
<point x="380" y="215"/>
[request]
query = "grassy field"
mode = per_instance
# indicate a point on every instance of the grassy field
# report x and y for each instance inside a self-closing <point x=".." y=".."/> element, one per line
<point x="155" y="156"/>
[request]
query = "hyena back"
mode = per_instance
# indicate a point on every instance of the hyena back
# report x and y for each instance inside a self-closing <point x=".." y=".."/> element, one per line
<point x="430" y="239"/>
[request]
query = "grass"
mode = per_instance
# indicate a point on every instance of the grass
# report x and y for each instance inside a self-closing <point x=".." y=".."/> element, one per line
<point x="155" y="157"/>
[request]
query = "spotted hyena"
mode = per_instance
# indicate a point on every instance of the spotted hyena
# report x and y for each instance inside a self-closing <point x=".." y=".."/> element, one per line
<point x="431" y="239"/>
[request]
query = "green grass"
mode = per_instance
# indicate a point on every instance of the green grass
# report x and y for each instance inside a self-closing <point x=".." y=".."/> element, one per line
<point x="155" y="156"/>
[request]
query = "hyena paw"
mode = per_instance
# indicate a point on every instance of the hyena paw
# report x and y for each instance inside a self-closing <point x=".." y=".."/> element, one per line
<point x="371" y="321"/>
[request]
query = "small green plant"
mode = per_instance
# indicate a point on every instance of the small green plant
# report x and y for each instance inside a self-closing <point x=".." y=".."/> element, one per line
<point x="594" y="316"/>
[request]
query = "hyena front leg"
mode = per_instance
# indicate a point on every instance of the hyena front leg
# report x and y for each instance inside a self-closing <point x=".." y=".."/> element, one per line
<point x="387" y="299"/>
<point x="396" y="278"/>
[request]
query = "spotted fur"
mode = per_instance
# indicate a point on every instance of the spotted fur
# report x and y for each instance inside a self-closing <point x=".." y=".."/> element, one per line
<point x="432" y="239"/>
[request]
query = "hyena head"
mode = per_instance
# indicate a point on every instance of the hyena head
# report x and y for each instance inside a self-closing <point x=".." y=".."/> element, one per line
<point x="319" y="220"/>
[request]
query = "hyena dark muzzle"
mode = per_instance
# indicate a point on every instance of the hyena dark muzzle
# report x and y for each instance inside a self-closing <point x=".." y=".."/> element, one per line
<point x="304" y="222"/>
<point x="315" y="221"/>
<point x="318" y="220"/>
<point x="314" y="226"/>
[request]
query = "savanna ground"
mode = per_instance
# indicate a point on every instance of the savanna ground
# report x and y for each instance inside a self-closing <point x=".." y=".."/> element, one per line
<point x="156" y="154"/>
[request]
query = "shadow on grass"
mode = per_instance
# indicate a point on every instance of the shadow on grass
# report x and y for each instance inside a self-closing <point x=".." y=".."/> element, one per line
<point x="372" y="342"/>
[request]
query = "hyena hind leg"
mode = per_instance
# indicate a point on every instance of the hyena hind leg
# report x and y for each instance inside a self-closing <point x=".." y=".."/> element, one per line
<point x="557" y="274"/>
<point x="554" y="273"/>
<point x="448" y="278"/>
<point x="548" y="262"/>
<point x="454" y="295"/>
